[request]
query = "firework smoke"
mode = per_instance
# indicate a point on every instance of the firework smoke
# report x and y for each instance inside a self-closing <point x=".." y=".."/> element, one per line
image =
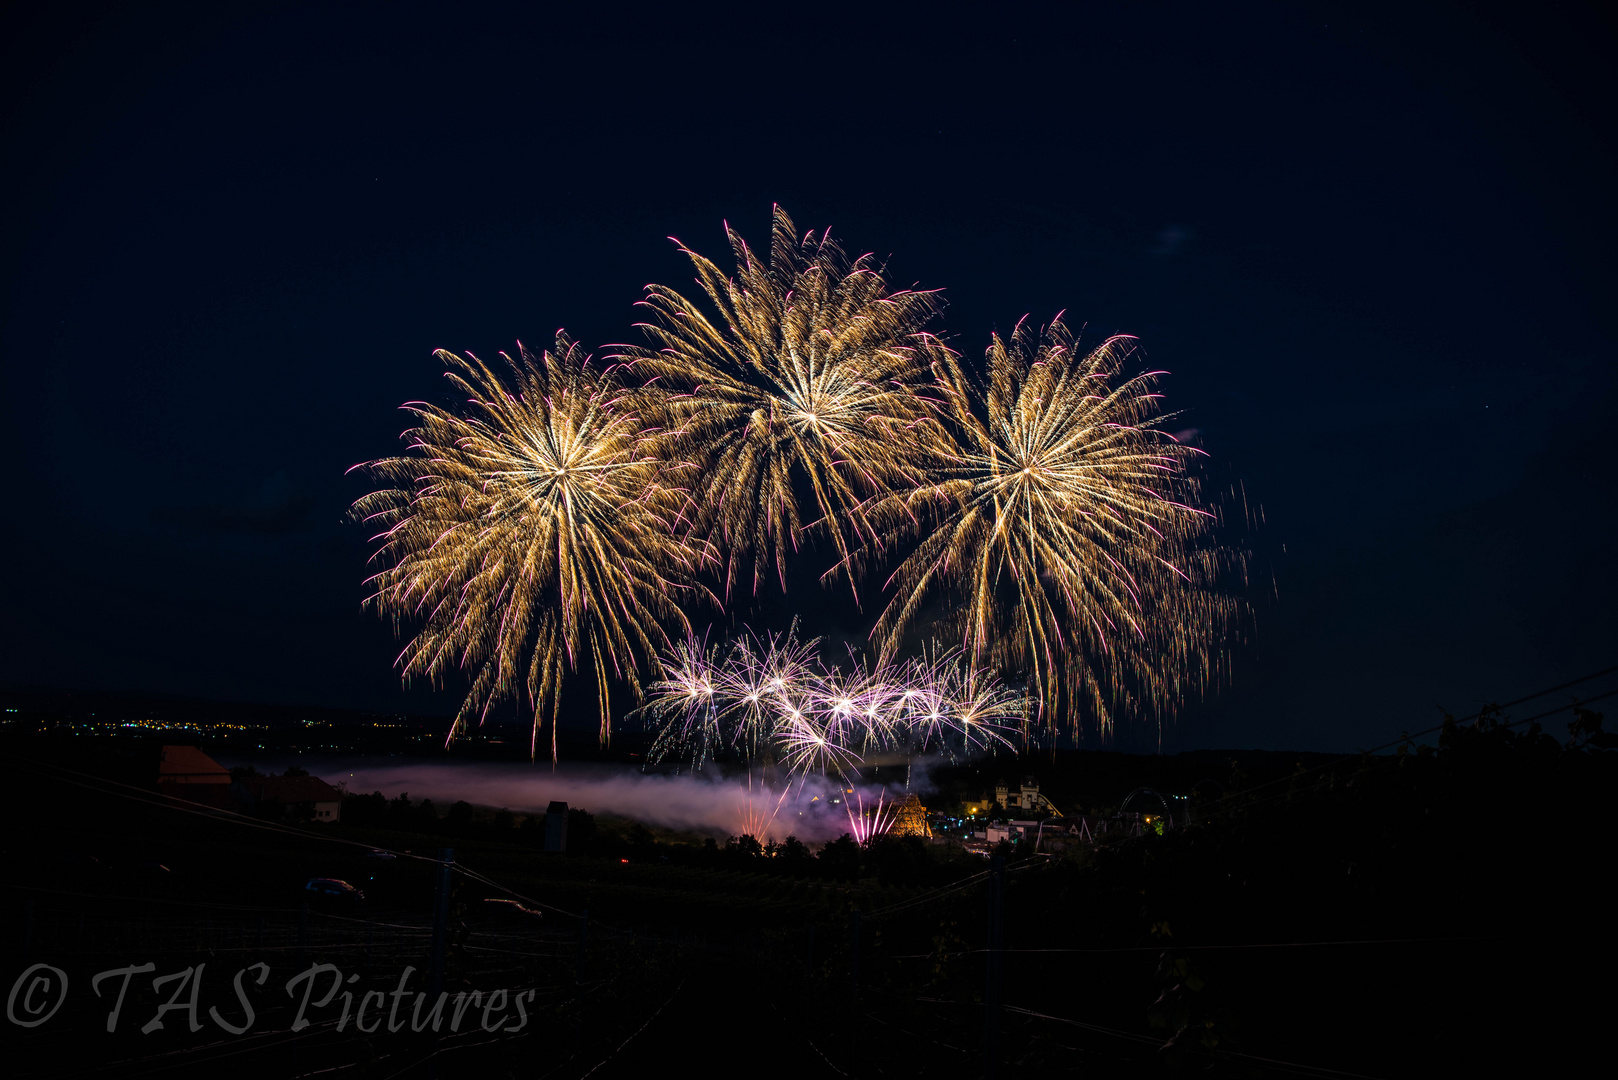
<point x="812" y="808"/>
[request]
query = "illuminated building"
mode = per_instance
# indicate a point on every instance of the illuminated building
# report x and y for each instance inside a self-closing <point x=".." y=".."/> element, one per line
<point x="911" y="819"/>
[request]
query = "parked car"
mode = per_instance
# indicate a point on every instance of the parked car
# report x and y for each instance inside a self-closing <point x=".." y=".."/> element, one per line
<point x="332" y="892"/>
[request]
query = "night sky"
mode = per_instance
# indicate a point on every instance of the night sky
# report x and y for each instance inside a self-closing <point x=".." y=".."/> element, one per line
<point x="1373" y="248"/>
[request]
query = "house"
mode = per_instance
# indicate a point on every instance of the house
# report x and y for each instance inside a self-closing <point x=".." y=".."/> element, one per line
<point x="1015" y="831"/>
<point x="1027" y="797"/>
<point x="304" y="798"/>
<point x="188" y="765"/>
<point x="187" y="775"/>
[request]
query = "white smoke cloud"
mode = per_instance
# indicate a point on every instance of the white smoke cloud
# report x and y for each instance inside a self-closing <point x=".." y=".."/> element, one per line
<point x="814" y="810"/>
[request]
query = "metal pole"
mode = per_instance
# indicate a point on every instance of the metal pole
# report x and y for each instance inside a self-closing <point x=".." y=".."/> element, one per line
<point x="435" y="965"/>
<point x="991" y="1019"/>
<point x="854" y="1025"/>
<point x="435" y="968"/>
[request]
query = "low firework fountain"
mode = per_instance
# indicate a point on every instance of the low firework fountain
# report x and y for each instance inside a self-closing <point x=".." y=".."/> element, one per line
<point x="758" y="809"/>
<point x="866" y="824"/>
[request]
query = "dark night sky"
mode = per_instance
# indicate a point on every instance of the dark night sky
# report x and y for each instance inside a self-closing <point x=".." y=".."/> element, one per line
<point x="1374" y="248"/>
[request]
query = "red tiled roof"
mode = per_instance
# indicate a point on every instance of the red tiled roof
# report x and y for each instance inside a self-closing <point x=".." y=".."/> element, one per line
<point x="187" y="761"/>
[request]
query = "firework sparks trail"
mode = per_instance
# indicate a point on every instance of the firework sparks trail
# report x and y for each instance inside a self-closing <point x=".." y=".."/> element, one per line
<point x="686" y="699"/>
<point x="531" y="533"/>
<point x="807" y="748"/>
<point x="774" y="700"/>
<point x="866" y="824"/>
<point x="807" y="374"/>
<point x="1062" y="529"/>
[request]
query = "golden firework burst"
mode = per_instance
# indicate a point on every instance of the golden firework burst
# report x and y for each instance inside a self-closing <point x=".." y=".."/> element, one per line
<point x="805" y="374"/>
<point x="530" y="533"/>
<point x="1060" y="532"/>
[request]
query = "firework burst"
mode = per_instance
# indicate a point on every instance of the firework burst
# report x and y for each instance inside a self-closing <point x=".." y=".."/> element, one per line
<point x="530" y="533"/>
<point x="1061" y="530"/>
<point x="806" y="374"/>
<point x="776" y="702"/>
<point x="684" y="701"/>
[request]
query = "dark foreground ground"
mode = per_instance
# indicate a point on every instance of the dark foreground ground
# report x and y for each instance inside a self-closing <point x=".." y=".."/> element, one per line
<point x="1431" y="912"/>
